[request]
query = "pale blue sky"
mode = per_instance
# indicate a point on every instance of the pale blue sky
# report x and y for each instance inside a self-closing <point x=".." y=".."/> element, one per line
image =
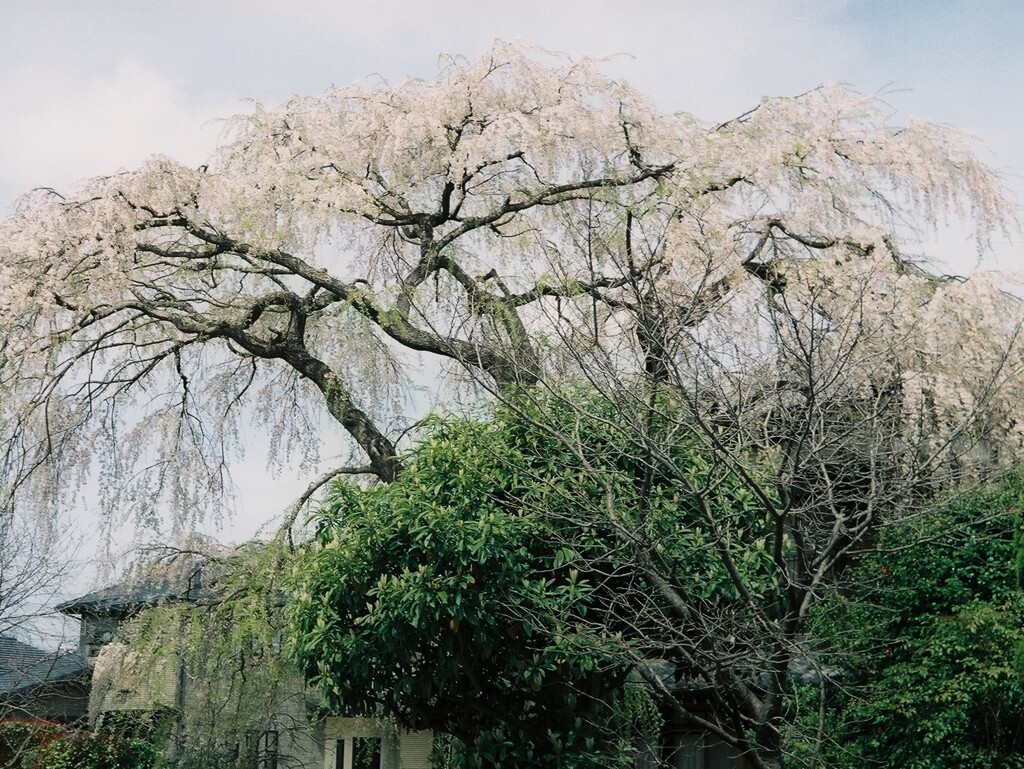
<point x="87" y="87"/>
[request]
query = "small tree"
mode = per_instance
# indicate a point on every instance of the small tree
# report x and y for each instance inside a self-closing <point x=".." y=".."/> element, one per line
<point x="36" y="556"/>
<point x="511" y="594"/>
<point x="443" y="602"/>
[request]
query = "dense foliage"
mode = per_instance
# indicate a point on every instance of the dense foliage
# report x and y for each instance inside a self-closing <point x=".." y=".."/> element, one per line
<point x="488" y="594"/>
<point x="30" y="745"/>
<point x="431" y="601"/>
<point x="929" y="665"/>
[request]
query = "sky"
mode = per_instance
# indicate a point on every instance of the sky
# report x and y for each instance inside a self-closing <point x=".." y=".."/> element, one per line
<point x="88" y="87"/>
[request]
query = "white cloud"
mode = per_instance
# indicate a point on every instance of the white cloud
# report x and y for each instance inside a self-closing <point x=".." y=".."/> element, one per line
<point x="60" y="127"/>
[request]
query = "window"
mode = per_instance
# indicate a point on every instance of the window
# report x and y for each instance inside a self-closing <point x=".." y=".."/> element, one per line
<point x="702" y="751"/>
<point x="366" y="753"/>
<point x="688" y="752"/>
<point x="266" y="754"/>
<point x="260" y="750"/>
<point x="97" y="632"/>
<point x="646" y="754"/>
<point x="357" y="753"/>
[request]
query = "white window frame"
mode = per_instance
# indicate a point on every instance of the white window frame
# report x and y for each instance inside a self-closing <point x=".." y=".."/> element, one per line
<point x="348" y="729"/>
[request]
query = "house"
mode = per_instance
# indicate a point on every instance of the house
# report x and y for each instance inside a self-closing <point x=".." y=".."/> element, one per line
<point x="41" y="685"/>
<point x="286" y="726"/>
<point x="251" y="693"/>
<point x="101" y="613"/>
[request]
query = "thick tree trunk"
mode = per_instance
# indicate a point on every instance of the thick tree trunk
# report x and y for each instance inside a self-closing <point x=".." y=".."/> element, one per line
<point x="378" y="447"/>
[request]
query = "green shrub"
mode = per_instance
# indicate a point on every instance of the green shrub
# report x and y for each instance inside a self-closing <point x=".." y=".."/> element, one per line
<point x="36" y="745"/>
<point x="21" y="740"/>
<point x="932" y="642"/>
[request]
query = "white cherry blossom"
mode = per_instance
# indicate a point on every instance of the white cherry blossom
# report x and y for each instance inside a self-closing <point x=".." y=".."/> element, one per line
<point x="520" y="216"/>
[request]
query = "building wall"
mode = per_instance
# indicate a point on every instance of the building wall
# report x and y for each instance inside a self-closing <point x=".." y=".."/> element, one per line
<point x="275" y="721"/>
<point x="300" y="739"/>
<point x="64" y="702"/>
<point x="124" y="679"/>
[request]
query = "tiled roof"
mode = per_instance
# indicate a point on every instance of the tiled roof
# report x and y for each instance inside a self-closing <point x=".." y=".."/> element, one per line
<point x="24" y="667"/>
<point x="186" y="579"/>
<point x="164" y="583"/>
<point x="126" y="597"/>
<point x="14" y="654"/>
